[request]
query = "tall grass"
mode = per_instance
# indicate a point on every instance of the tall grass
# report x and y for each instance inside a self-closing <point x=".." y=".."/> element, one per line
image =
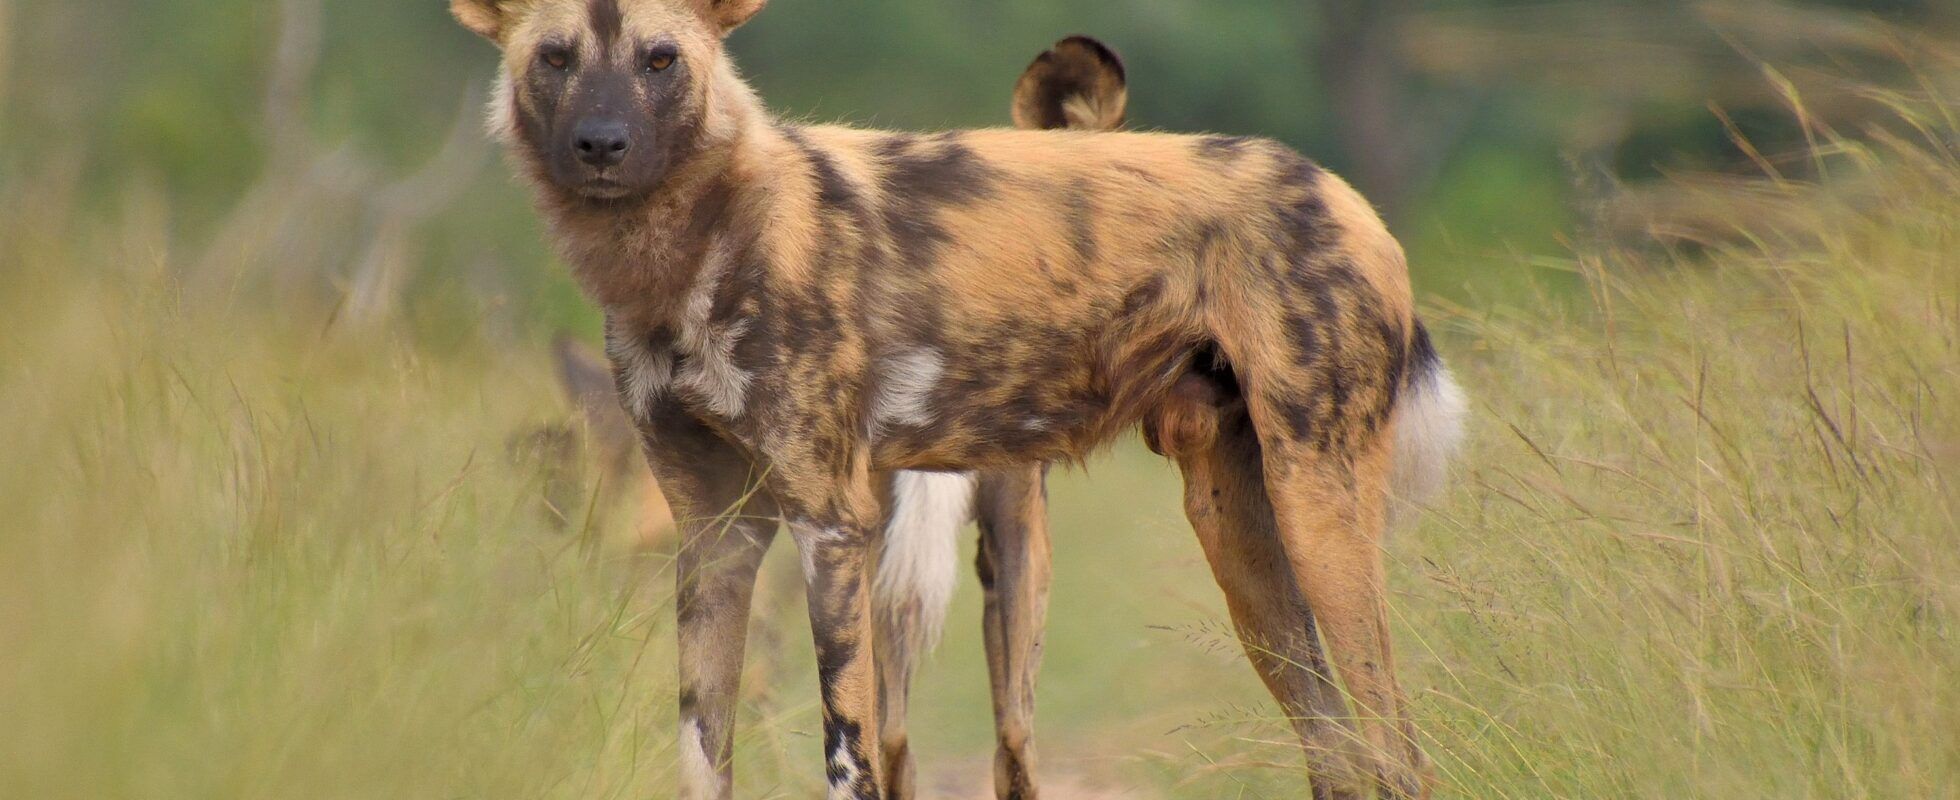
<point x="1704" y="543"/>
<point x="244" y="556"/>
<point x="1707" y="543"/>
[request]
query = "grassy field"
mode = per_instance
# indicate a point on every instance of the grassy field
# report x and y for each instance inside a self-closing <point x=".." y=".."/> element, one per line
<point x="1703" y="544"/>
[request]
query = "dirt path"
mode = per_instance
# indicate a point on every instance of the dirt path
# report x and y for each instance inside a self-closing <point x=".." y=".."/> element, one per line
<point x="973" y="780"/>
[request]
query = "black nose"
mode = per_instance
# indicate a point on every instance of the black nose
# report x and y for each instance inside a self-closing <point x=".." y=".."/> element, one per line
<point x="601" y="142"/>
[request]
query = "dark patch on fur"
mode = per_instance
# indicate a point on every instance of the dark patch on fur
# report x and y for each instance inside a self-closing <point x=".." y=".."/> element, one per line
<point x="848" y="735"/>
<point x="607" y="22"/>
<point x="1423" y="359"/>
<point x="1223" y="148"/>
<point x="989" y="395"/>
<point x="536" y="102"/>
<point x="1010" y="765"/>
<point x="1298" y="171"/>
<point x="709" y="211"/>
<point x="1142" y="297"/>
<point x="848" y="236"/>
<point x="1303" y="330"/>
<point x="923" y="178"/>
<point x="834" y="192"/>
<point x="1141" y="376"/>
<point x="834" y="655"/>
<point x="676" y="129"/>
<point x="1306" y="229"/>
<point x="837" y="581"/>
<point x="813" y="322"/>
<point x="1195" y="237"/>
<point x="1080" y="215"/>
<point x="1352" y="355"/>
<point x="1300" y="417"/>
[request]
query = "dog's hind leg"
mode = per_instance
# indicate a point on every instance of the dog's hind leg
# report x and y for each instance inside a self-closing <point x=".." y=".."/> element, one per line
<point x="1226" y="501"/>
<point x="1331" y="510"/>
<point x="1014" y="571"/>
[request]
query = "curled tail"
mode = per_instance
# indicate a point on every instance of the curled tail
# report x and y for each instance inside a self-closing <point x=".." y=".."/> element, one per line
<point x="1429" y="415"/>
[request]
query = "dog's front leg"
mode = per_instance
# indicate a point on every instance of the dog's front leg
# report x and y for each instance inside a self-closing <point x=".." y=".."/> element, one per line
<point x="726" y="523"/>
<point x="834" y="535"/>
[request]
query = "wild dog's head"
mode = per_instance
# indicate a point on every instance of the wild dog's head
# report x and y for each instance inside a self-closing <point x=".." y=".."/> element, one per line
<point x="603" y="99"/>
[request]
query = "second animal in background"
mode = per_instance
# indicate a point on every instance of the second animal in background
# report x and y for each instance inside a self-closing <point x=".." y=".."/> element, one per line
<point x="1078" y="84"/>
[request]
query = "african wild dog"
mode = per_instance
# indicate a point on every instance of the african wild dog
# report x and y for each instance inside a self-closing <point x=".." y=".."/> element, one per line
<point x="794" y="311"/>
<point x="1080" y="84"/>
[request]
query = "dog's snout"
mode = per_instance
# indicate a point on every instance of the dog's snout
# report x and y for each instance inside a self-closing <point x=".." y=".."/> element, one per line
<point x="602" y="142"/>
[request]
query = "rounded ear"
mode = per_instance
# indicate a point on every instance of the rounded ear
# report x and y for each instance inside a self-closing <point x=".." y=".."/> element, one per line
<point x="730" y="14"/>
<point x="485" y="18"/>
<point x="1079" y="84"/>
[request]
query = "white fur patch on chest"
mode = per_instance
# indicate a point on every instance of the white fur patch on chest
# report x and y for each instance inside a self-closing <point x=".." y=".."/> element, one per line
<point x="709" y="373"/>
<point x="646" y="372"/>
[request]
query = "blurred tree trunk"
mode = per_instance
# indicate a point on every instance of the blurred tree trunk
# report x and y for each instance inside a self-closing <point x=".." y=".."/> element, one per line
<point x="1368" y="84"/>
<point x="309" y="188"/>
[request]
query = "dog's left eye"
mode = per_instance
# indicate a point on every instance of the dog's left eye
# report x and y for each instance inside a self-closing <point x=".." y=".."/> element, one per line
<point x="659" y="62"/>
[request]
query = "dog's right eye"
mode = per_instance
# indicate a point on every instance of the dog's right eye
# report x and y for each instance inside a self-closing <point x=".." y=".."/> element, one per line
<point x="555" y="57"/>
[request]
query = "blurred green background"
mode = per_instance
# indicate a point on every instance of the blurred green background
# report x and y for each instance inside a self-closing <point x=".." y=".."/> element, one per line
<point x="275" y="312"/>
<point x="1484" y="129"/>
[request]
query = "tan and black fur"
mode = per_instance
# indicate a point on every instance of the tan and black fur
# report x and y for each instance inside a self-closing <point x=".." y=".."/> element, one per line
<point x="794" y="312"/>
<point x="1079" y="83"/>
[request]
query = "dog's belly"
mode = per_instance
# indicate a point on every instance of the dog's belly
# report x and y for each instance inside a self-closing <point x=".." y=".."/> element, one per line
<point x="978" y="406"/>
<point x="977" y="437"/>
<point x="997" y="383"/>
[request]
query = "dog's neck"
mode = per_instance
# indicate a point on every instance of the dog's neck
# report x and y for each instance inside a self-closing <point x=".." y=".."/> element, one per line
<point x="638" y="259"/>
